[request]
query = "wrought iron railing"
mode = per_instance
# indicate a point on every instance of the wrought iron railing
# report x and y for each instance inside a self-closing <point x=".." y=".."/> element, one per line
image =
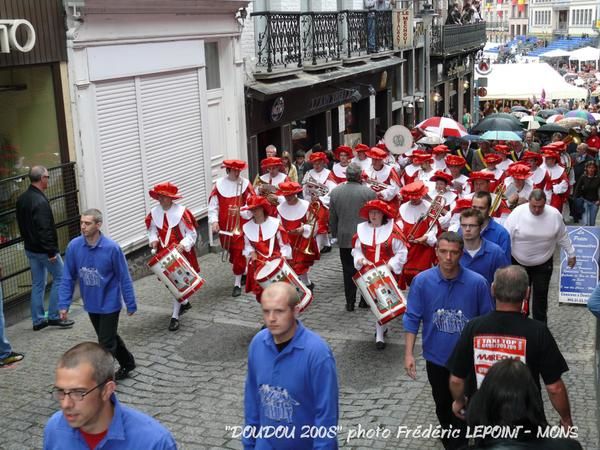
<point x="293" y="39"/>
<point x="62" y="193"/>
<point x="453" y="39"/>
<point x="497" y="26"/>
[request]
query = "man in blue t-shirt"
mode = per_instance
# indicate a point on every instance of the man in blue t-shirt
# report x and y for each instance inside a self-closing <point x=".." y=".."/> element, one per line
<point x="443" y="299"/>
<point x="91" y="417"/>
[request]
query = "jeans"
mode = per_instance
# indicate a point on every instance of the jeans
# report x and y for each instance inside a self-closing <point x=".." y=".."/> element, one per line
<point x="5" y="348"/>
<point x="590" y="211"/>
<point x="40" y="266"/>
<point x="539" y="281"/>
<point x="371" y="44"/>
<point x="106" y="330"/>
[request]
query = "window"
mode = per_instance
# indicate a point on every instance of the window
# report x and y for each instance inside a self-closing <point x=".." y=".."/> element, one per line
<point x="213" y="73"/>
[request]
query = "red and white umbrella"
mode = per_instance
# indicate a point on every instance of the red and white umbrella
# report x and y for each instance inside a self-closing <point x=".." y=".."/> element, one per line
<point x="443" y="127"/>
<point x="555" y="118"/>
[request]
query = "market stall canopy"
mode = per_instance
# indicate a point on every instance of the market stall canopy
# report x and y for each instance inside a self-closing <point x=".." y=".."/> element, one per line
<point x="556" y="53"/>
<point x="533" y="78"/>
<point x="585" y="54"/>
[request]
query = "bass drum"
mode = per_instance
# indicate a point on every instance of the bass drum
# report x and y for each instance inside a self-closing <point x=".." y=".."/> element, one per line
<point x="176" y="273"/>
<point x="278" y="270"/>
<point x="380" y="290"/>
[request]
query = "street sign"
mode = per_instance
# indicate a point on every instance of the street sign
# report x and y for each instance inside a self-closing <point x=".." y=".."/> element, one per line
<point x="577" y="284"/>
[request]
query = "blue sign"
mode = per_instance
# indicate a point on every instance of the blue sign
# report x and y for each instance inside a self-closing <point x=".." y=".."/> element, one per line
<point x="577" y="284"/>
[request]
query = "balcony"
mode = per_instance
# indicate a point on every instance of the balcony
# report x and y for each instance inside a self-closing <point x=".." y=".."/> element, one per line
<point x="449" y="40"/>
<point x="289" y="42"/>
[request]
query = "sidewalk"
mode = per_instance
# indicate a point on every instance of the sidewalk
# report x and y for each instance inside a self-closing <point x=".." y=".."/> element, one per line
<point x="193" y="380"/>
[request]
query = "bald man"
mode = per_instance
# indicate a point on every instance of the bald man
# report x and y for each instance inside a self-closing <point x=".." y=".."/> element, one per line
<point x="292" y="378"/>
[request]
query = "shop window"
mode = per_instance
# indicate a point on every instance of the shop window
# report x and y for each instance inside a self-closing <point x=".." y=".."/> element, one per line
<point x="28" y="126"/>
<point x="213" y="72"/>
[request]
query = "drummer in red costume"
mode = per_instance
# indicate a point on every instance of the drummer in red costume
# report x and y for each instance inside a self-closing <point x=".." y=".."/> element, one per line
<point x="361" y="157"/>
<point x="559" y="180"/>
<point x="540" y="176"/>
<point x="229" y="194"/>
<point x="264" y="240"/>
<point x="323" y="176"/>
<point x="267" y="184"/>
<point x="421" y="252"/>
<point x="342" y="154"/>
<point x="385" y="174"/>
<point x="460" y="182"/>
<point x="295" y="215"/>
<point x="379" y="241"/>
<point x="170" y="223"/>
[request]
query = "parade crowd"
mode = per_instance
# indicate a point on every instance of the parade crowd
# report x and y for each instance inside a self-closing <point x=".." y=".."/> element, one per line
<point x="467" y="228"/>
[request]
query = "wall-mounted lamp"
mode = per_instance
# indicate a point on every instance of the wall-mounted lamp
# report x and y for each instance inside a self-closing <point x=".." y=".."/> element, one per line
<point x="241" y="15"/>
<point x="466" y="84"/>
<point x="420" y="100"/>
<point x="437" y="97"/>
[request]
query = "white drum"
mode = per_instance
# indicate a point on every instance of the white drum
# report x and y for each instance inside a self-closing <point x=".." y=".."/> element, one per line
<point x="176" y="273"/>
<point x="380" y="290"/>
<point x="278" y="270"/>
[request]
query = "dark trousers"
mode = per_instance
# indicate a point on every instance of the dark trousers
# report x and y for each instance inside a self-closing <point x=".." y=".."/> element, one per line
<point x="349" y="271"/>
<point x="439" y="379"/>
<point x="106" y="330"/>
<point x="539" y="281"/>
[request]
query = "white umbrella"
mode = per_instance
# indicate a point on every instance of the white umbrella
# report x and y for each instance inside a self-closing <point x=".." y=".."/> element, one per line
<point x="431" y="139"/>
<point x="556" y="53"/>
<point x="596" y="116"/>
<point x="555" y="118"/>
<point x="579" y="82"/>
<point x="532" y="124"/>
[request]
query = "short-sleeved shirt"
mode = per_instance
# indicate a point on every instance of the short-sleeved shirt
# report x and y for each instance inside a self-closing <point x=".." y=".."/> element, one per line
<point x="499" y="335"/>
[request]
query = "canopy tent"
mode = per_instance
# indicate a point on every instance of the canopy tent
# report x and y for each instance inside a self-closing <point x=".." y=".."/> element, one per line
<point x="532" y="80"/>
<point x="585" y="54"/>
<point x="556" y="53"/>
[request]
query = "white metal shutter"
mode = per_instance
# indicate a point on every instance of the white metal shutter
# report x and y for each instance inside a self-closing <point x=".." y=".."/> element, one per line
<point x="118" y="130"/>
<point x="172" y="134"/>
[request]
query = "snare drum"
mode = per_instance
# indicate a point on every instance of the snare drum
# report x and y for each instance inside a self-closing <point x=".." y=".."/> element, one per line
<point x="176" y="273"/>
<point x="279" y="270"/>
<point x="380" y="290"/>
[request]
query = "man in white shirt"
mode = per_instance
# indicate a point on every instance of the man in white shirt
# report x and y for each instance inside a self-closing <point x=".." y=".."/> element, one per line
<point x="535" y="229"/>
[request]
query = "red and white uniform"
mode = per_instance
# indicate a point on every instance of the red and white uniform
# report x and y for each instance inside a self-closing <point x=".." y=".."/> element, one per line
<point x="420" y="256"/>
<point x="387" y="175"/>
<point x="380" y="245"/>
<point x="463" y="181"/>
<point x="363" y="163"/>
<point x="559" y="182"/>
<point x="498" y="173"/>
<point x="273" y="181"/>
<point x="293" y="217"/>
<point x="503" y="165"/>
<point x="541" y="180"/>
<point x="176" y="225"/>
<point x="410" y="174"/>
<point x="339" y="173"/>
<point x="323" y="177"/>
<point x="222" y="197"/>
<point x="501" y="212"/>
<point x="425" y="176"/>
<point x="269" y="240"/>
<point x="511" y="188"/>
<point x="439" y="164"/>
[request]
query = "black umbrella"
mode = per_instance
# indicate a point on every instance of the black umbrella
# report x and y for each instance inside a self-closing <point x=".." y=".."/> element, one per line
<point x="552" y="128"/>
<point x="519" y="108"/>
<point x="545" y="113"/>
<point x="502" y="116"/>
<point x="562" y="110"/>
<point x="497" y="124"/>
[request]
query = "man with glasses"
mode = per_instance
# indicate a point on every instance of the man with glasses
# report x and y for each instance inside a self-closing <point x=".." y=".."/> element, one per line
<point x="104" y="283"/>
<point x="37" y="228"/>
<point x="490" y="229"/>
<point x="91" y="416"/>
<point x="479" y="255"/>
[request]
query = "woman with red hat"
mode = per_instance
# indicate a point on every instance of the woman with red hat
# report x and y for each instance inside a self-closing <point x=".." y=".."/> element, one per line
<point x="264" y="240"/>
<point x="491" y="161"/>
<point x="439" y="153"/>
<point x="410" y="167"/>
<point x="384" y="175"/>
<point x="559" y="180"/>
<point x="426" y="170"/>
<point x="379" y="241"/>
<point x="361" y="157"/>
<point x="227" y="197"/>
<point x="421" y="252"/>
<point x="296" y="218"/>
<point x="504" y="152"/>
<point x="169" y="223"/>
<point x="342" y="154"/>
<point x="267" y="184"/>
<point x="460" y="182"/>
<point x="320" y="175"/>
<point x="441" y="182"/>
<point x="518" y="184"/>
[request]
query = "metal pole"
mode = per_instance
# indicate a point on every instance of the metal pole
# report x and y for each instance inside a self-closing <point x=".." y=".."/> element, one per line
<point x="427" y="14"/>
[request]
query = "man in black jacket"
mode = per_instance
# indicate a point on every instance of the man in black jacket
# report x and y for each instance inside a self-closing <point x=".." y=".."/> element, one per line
<point x="36" y="224"/>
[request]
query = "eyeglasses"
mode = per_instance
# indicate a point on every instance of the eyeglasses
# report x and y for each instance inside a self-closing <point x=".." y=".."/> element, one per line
<point x="77" y="395"/>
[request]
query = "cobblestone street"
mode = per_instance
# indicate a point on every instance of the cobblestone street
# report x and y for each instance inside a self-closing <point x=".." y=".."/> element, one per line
<point x="192" y="380"/>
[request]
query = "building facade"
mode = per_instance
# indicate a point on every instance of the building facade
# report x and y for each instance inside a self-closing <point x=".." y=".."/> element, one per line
<point x="157" y="91"/>
<point x="564" y="18"/>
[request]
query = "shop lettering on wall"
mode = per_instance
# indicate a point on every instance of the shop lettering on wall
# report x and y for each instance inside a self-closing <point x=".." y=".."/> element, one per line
<point x="8" y="36"/>
<point x="334" y="99"/>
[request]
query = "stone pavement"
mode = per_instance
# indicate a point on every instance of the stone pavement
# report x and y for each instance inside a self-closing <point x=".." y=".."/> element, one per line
<point x="192" y="380"/>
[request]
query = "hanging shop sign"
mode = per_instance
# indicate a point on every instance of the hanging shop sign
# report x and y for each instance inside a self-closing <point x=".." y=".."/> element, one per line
<point x="402" y="23"/>
<point x="8" y="36"/>
<point x="277" y="109"/>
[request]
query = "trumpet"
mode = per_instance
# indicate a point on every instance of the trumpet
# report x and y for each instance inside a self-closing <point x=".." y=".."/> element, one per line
<point x="313" y="209"/>
<point x="267" y="190"/>
<point x="316" y="188"/>
<point x="375" y="185"/>
<point x="499" y="193"/>
<point x="433" y="213"/>
<point x="233" y="227"/>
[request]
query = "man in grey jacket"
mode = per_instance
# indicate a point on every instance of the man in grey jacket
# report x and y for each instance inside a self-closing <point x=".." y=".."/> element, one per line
<point x="345" y="203"/>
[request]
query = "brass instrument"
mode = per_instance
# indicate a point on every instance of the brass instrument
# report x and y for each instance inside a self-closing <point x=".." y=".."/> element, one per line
<point x="267" y="190"/>
<point x="316" y="188"/>
<point x="314" y="209"/>
<point x="434" y="213"/>
<point x="377" y="186"/>
<point x="499" y="194"/>
<point x="233" y="222"/>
